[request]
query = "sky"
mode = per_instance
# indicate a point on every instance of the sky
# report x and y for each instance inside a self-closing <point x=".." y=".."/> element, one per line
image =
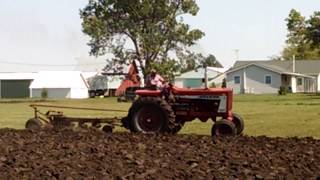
<point x="49" y="32"/>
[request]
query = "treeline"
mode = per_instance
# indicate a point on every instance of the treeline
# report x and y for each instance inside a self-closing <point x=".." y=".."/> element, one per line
<point x="303" y="38"/>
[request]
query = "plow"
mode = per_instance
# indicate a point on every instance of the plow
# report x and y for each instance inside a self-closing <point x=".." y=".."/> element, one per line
<point x="164" y="110"/>
<point x="57" y="119"/>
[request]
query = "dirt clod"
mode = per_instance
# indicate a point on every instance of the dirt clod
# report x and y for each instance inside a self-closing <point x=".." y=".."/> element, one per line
<point x="90" y="154"/>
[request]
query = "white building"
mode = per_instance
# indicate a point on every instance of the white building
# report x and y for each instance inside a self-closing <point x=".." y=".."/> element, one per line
<point x="59" y="84"/>
<point x="15" y="85"/>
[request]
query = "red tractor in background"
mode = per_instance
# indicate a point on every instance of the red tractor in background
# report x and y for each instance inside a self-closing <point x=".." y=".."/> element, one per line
<point x="167" y="110"/>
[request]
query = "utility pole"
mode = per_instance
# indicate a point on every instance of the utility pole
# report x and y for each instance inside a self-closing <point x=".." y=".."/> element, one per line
<point x="293" y="63"/>
<point x="205" y="77"/>
<point x="236" y="51"/>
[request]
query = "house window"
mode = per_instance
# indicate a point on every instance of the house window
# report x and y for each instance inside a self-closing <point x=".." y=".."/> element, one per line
<point x="237" y="79"/>
<point x="268" y="79"/>
<point x="299" y="83"/>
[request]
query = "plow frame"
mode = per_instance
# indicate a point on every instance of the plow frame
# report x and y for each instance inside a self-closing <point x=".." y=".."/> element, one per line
<point x="57" y="118"/>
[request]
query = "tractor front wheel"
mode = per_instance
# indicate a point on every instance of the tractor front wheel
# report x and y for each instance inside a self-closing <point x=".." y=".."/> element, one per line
<point x="223" y="128"/>
<point x="238" y="122"/>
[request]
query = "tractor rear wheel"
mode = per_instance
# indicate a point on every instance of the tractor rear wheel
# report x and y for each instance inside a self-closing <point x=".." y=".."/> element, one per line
<point x="238" y="122"/>
<point x="151" y="115"/>
<point x="149" y="118"/>
<point x="33" y="124"/>
<point x="223" y="128"/>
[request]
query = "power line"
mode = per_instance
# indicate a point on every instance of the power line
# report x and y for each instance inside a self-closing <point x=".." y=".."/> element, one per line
<point x="56" y="65"/>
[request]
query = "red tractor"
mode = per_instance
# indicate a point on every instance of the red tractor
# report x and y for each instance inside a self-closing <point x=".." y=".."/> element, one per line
<point x="157" y="111"/>
<point x="167" y="110"/>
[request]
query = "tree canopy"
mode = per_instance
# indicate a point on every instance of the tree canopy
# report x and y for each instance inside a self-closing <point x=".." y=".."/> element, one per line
<point x="190" y="61"/>
<point x="150" y="31"/>
<point x="313" y="30"/>
<point x="303" y="38"/>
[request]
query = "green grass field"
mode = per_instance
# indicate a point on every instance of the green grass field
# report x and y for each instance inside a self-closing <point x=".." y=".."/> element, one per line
<point x="270" y="115"/>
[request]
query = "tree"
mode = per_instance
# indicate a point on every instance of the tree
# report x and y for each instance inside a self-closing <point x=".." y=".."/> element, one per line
<point x="296" y="26"/>
<point x="211" y="60"/>
<point x="313" y="30"/>
<point x="144" y="30"/>
<point x="190" y="61"/>
<point x="298" y="38"/>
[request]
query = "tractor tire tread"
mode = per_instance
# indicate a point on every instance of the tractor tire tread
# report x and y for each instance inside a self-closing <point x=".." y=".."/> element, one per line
<point x="220" y="123"/>
<point x="239" y="123"/>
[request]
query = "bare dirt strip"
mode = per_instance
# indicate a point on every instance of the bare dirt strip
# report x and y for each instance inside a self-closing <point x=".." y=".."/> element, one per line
<point x="92" y="154"/>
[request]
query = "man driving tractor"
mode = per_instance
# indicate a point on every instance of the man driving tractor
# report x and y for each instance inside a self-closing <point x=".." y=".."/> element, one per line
<point x="154" y="80"/>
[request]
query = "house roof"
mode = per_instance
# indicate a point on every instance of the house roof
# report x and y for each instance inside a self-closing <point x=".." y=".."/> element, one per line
<point x="199" y="73"/>
<point x="88" y="75"/>
<point x="306" y="67"/>
<point x="17" y="76"/>
<point x="221" y="70"/>
<point x="59" y="79"/>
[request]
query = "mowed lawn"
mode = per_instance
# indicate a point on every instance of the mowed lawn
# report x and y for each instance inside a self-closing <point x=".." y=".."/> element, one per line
<point x="270" y="115"/>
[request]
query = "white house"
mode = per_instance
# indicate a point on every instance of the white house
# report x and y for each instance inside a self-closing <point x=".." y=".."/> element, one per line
<point x="268" y="76"/>
<point x="59" y="84"/>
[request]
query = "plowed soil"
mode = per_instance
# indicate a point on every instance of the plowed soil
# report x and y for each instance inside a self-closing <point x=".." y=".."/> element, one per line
<point x="91" y="154"/>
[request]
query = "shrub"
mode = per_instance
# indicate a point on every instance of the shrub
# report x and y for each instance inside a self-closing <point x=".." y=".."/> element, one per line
<point x="224" y="83"/>
<point x="213" y="85"/>
<point x="282" y="90"/>
<point x="44" y="93"/>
